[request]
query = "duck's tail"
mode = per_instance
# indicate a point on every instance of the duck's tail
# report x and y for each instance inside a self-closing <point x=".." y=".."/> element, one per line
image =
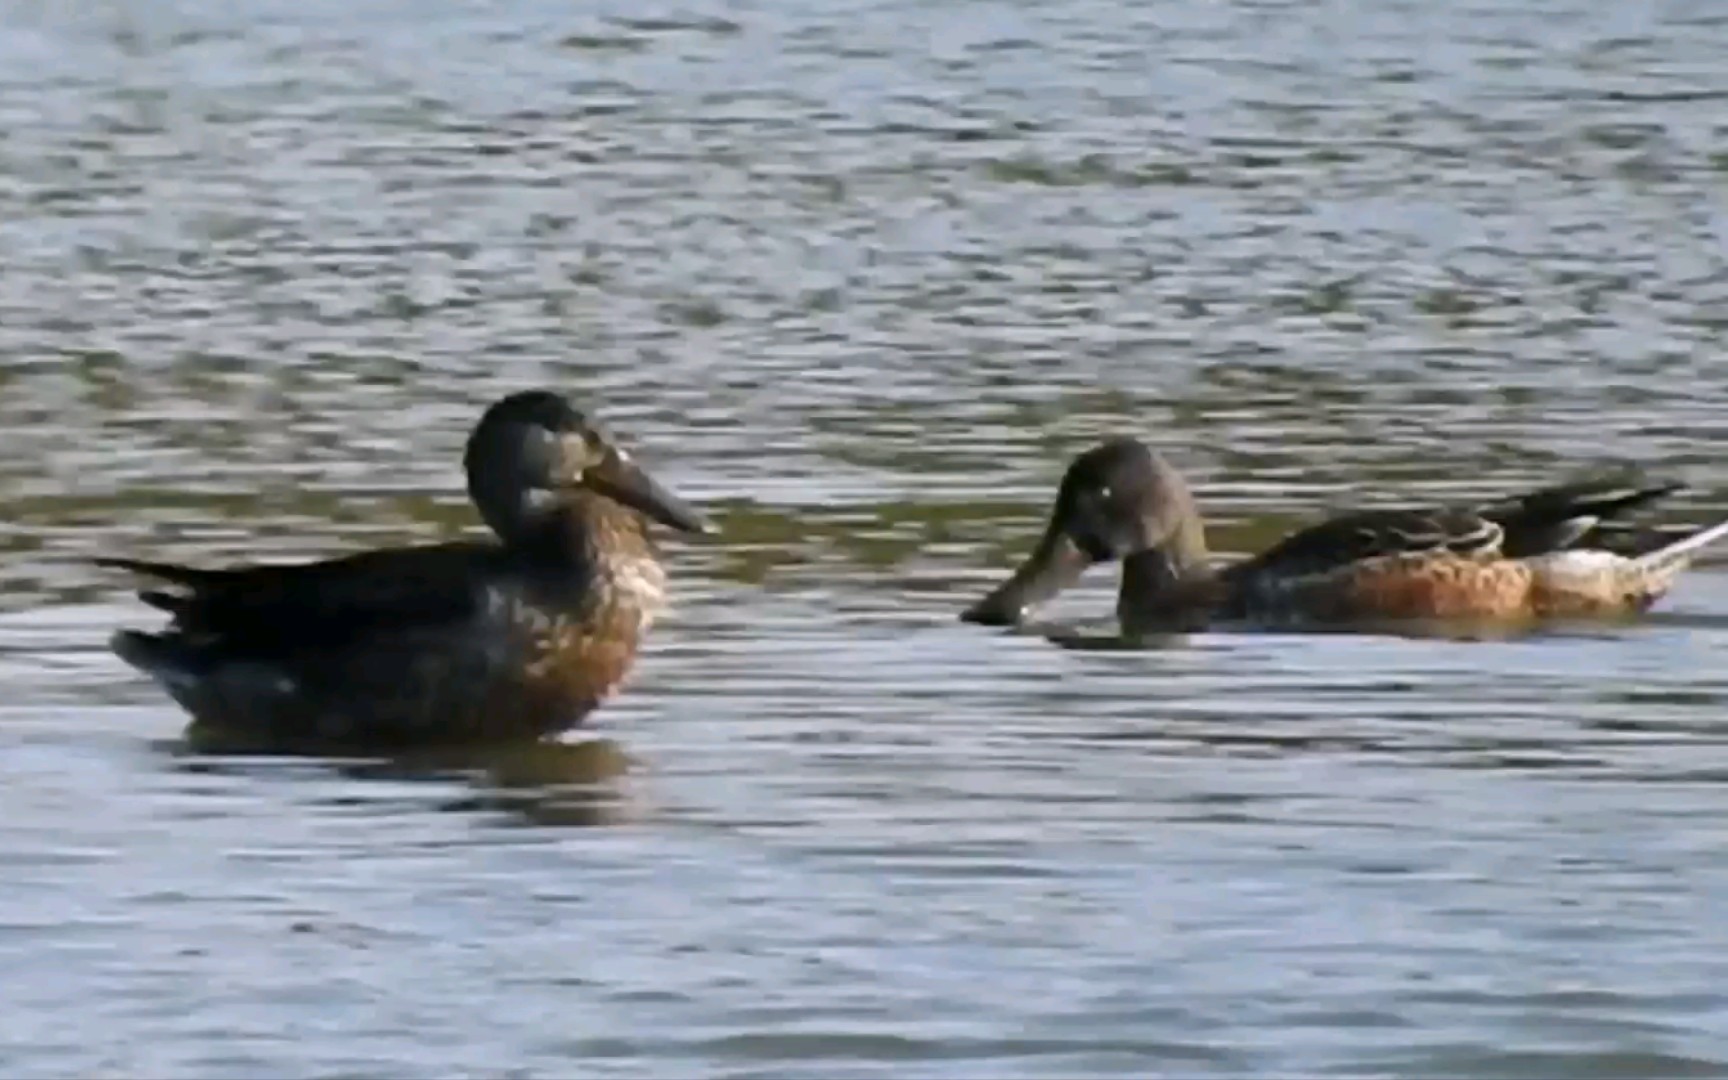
<point x="174" y="665"/>
<point x="1600" y="579"/>
<point x="184" y="578"/>
<point x="1669" y="559"/>
<point x="157" y="655"/>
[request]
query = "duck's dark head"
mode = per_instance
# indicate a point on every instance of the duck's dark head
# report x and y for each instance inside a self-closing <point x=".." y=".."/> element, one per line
<point x="1118" y="500"/>
<point x="533" y="452"/>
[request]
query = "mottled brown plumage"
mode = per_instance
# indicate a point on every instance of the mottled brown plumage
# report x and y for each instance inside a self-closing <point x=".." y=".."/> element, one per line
<point x="1557" y="552"/>
<point x="454" y="643"/>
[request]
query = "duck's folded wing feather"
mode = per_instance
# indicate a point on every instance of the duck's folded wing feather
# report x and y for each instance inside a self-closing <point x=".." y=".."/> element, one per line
<point x="1369" y="534"/>
<point x="1566" y="515"/>
<point x="327" y="602"/>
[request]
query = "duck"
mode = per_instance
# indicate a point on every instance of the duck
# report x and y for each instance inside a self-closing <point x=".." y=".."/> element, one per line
<point x="1564" y="551"/>
<point x="512" y="638"/>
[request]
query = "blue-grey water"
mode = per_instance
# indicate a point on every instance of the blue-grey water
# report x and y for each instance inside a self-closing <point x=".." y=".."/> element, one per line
<point x="857" y="276"/>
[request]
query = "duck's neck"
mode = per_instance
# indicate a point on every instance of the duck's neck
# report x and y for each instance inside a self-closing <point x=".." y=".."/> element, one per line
<point x="605" y="548"/>
<point x="604" y="530"/>
<point x="1168" y="586"/>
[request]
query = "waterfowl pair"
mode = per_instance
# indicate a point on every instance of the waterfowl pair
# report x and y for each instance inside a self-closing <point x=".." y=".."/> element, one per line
<point x="1555" y="553"/>
<point x="466" y="642"/>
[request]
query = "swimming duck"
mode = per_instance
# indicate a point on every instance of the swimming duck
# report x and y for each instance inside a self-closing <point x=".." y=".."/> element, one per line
<point x="1556" y="552"/>
<point x="475" y="641"/>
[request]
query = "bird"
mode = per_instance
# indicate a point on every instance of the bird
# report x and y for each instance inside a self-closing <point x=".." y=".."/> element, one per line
<point x="507" y="639"/>
<point x="1564" y="551"/>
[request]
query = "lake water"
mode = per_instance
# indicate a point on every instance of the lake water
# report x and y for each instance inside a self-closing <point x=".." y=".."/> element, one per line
<point x="858" y="276"/>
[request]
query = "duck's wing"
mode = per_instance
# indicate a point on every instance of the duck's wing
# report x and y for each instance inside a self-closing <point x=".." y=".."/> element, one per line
<point x="1370" y="534"/>
<point x="1581" y="514"/>
<point x="257" y="610"/>
<point x="1546" y="519"/>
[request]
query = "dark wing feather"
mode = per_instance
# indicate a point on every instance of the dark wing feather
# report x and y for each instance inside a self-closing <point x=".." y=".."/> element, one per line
<point x="1546" y="519"/>
<point x="1569" y="515"/>
<point x="1368" y="534"/>
<point x="264" y="610"/>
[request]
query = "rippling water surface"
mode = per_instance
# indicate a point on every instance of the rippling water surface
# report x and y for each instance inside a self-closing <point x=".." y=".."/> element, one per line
<point x="859" y="275"/>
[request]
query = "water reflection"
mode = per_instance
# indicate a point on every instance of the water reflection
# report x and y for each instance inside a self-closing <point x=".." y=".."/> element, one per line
<point x="565" y="783"/>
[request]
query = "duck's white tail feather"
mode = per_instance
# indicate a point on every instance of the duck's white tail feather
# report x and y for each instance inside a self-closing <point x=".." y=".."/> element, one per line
<point x="1681" y="551"/>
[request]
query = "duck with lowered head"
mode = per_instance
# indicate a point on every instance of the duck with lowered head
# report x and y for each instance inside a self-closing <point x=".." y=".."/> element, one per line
<point x="1558" y="552"/>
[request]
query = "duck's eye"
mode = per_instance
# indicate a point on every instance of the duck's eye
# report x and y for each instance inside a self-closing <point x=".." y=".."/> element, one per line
<point x="1105" y="494"/>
